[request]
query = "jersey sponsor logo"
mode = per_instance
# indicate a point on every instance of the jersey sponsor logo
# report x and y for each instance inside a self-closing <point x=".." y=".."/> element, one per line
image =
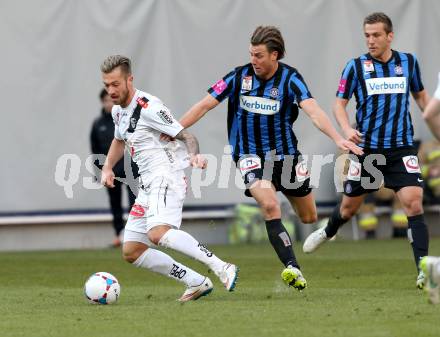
<point x="354" y="171"/>
<point x="259" y="105"/>
<point x="302" y="173"/>
<point x="137" y="210"/>
<point x="169" y="155"/>
<point x="368" y="66"/>
<point x="274" y="93"/>
<point x="248" y="164"/>
<point x="386" y="85"/>
<point x="165" y="116"/>
<point x="219" y="86"/>
<point x="141" y="102"/>
<point x="398" y="70"/>
<point x="117" y="118"/>
<point x="411" y="164"/>
<point x="342" y="83"/>
<point x="246" y="83"/>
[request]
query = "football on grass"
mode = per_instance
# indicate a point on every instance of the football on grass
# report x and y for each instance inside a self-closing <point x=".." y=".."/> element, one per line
<point x="102" y="288"/>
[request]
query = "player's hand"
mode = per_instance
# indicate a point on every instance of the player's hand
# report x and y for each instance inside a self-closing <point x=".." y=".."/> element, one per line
<point x="166" y="138"/>
<point x="198" y="161"/>
<point x="346" y="145"/>
<point x="107" y="177"/>
<point x="353" y="135"/>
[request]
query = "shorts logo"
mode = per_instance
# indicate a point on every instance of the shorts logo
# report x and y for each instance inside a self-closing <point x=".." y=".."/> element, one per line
<point x="368" y="66"/>
<point x="141" y="102"/>
<point x="342" y="83"/>
<point x="137" y="210"/>
<point x="411" y="164"/>
<point x="398" y="70"/>
<point x="219" y="86"/>
<point x="302" y="173"/>
<point x="248" y="164"/>
<point x="348" y="188"/>
<point x="165" y="116"/>
<point x="246" y="83"/>
<point x="274" y="93"/>
<point x="354" y="171"/>
<point x="251" y="177"/>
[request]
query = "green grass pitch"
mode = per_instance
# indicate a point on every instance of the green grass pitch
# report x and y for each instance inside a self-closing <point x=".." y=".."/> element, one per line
<point x="354" y="289"/>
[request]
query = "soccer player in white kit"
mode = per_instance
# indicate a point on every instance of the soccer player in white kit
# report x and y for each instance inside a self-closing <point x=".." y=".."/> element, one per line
<point x="432" y="112"/>
<point x="156" y="216"/>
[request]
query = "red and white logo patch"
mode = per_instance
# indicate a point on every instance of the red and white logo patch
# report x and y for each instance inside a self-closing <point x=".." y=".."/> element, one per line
<point x="219" y="86"/>
<point x="411" y="164"/>
<point x="302" y="173"/>
<point x="137" y="210"/>
<point x="248" y="164"/>
<point x="354" y="171"/>
<point x="368" y="66"/>
<point x="141" y="102"/>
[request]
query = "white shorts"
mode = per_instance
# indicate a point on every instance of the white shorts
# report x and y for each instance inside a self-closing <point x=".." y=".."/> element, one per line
<point x="160" y="202"/>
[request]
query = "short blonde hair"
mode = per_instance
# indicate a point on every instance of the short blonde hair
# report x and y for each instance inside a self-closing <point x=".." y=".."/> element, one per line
<point x="113" y="61"/>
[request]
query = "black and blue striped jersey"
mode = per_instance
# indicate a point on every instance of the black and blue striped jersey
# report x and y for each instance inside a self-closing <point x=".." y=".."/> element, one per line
<point x="261" y="112"/>
<point x="382" y="91"/>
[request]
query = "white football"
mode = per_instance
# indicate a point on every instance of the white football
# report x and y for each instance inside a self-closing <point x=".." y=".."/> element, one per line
<point x="102" y="288"/>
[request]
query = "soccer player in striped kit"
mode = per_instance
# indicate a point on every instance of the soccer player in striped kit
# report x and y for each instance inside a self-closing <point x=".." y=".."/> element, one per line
<point x="381" y="81"/>
<point x="264" y="96"/>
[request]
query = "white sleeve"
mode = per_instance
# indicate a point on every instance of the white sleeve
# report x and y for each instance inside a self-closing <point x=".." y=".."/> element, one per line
<point x="437" y="91"/>
<point x="160" y="118"/>
<point x="115" y="116"/>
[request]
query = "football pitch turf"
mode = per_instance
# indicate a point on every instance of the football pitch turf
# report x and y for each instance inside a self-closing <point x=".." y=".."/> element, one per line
<point x="364" y="288"/>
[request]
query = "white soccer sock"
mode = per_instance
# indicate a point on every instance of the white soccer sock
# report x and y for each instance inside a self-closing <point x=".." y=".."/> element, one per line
<point x="161" y="263"/>
<point x="186" y="244"/>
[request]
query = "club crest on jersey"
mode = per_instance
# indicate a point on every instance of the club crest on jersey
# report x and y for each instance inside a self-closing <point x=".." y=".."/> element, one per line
<point x="141" y="102"/>
<point x="398" y="70"/>
<point x="274" y="93"/>
<point x="133" y="122"/>
<point x="368" y="66"/>
<point x="246" y="83"/>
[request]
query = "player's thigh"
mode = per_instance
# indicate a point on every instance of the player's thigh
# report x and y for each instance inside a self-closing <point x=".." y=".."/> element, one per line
<point x="264" y="192"/>
<point x="305" y="207"/>
<point x="411" y="199"/>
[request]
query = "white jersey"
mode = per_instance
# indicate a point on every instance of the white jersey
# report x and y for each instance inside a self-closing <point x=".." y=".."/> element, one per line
<point x="140" y="125"/>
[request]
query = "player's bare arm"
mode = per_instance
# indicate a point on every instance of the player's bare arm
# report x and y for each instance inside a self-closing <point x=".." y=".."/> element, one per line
<point x="341" y="115"/>
<point x="115" y="153"/>
<point x="192" y="145"/>
<point x="431" y="114"/>
<point x="323" y="123"/>
<point x="198" y="110"/>
<point x="421" y="98"/>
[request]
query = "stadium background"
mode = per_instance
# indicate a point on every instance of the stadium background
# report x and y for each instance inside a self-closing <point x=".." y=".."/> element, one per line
<point x="51" y="52"/>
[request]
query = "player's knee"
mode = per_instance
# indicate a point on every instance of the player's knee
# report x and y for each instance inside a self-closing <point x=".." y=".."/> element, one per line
<point x="309" y="218"/>
<point x="131" y="255"/>
<point x="348" y="212"/>
<point x="156" y="233"/>
<point x="413" y="207"/>
<point x="270" y="207"/>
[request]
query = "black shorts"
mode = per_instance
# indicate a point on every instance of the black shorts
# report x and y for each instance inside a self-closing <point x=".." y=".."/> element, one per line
<point x="289" y="176"/>
<point x="394" y="168"/>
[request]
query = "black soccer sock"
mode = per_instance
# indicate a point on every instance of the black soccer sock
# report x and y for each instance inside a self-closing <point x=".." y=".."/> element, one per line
<point x="334" y="222"/>
<point x="281" y="242"/>
<point x="418" y="236"/>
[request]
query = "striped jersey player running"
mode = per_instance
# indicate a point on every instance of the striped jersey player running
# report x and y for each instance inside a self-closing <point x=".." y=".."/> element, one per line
<point x="263" y="101"/>
<point x="381" y="81"/>
<point x="156" y="216"/>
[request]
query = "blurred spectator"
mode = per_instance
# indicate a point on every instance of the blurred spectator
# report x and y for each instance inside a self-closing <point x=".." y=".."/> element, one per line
<point x="101" y="137"/>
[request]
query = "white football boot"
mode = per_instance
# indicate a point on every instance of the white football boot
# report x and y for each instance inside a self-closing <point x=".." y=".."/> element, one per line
<point x="229" y="276"/>
<point x="195" y="292"/>
<point x="430" y="266"/>
<point x="314" y="240"/>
